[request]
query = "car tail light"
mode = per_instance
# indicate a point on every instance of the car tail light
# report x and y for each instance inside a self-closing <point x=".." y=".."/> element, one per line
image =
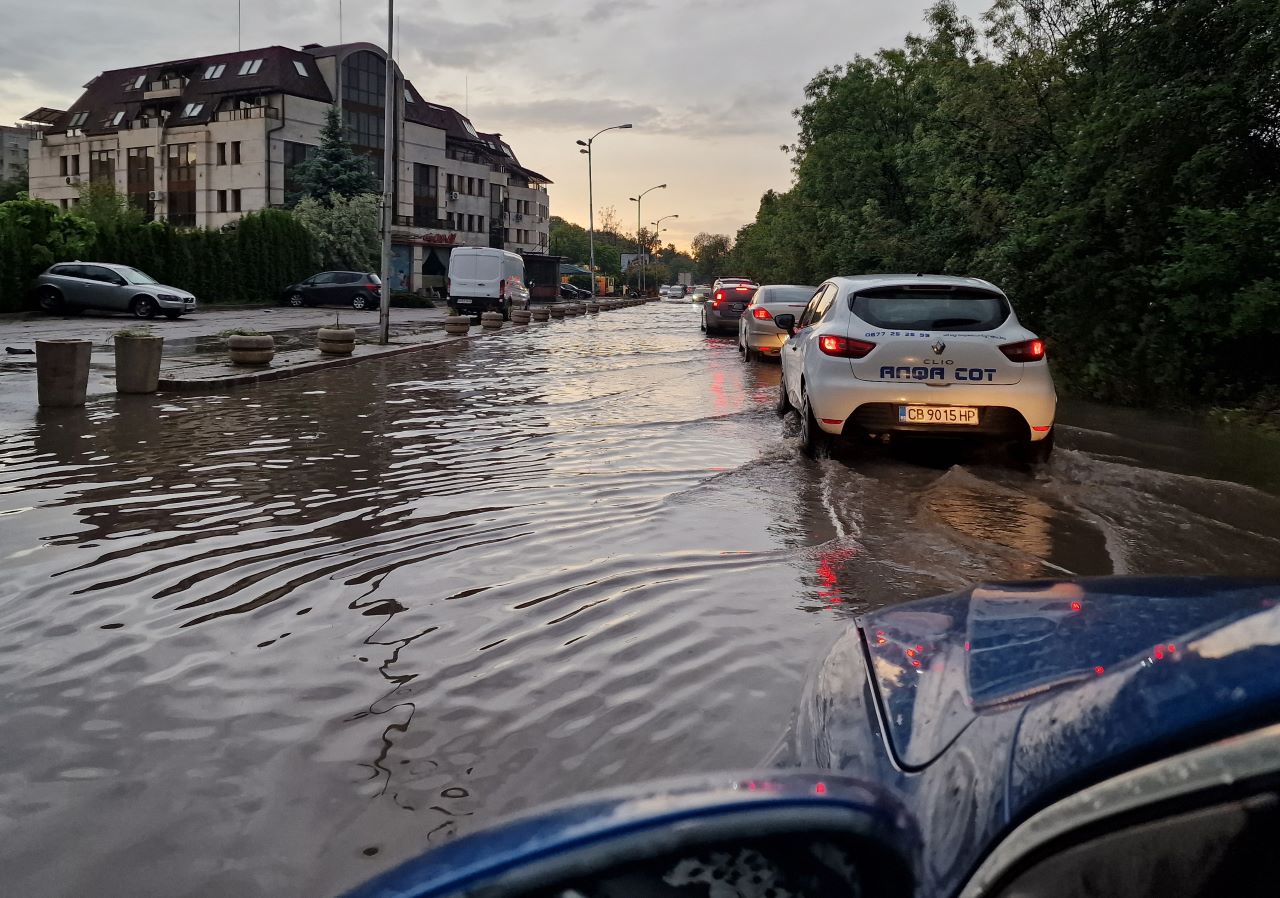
<point x="744" y="289"/>
<point x="448" y="283"/>
<point x="761" y="313"/>
<point x="502" y="290"/>
<point x="719" y="300"/>
<point x="1026" y="351"/>
<point x="844" y="347"/>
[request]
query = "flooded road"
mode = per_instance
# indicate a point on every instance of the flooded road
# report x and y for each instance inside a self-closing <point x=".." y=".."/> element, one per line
<point x="273" y="642"/>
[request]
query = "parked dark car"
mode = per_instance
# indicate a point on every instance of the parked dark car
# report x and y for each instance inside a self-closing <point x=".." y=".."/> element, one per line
<point x="358" y="289"/>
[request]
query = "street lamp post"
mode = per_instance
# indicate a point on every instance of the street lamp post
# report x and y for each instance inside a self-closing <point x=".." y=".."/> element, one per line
<point x="591" y="202"/>
<point x="657" y="229"/>
<point x="636" y="199"/>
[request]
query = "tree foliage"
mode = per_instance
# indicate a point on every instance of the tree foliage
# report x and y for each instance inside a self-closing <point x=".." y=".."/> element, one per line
<point x="346" y="230"/>
<point x="1113" y="164"/>
<point x="335" y="169"/>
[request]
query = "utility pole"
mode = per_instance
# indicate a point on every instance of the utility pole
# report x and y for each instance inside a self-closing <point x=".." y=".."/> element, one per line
<point x="388" y="179"/>
<point x="636" y="200"/>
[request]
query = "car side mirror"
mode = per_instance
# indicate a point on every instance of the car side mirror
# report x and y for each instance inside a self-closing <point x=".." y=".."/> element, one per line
<point x="786" y="323"/>
<point x="789" y="833"/>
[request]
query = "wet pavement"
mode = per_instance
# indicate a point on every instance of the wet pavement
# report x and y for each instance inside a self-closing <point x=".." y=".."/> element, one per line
<point x="273" y="642"/>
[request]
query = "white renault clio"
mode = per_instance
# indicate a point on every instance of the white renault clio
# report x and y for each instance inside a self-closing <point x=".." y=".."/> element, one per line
<point x="928" y="355"/>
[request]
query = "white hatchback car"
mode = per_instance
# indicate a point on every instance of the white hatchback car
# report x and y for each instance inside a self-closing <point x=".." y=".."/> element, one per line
<point x="937" y="356"/>
<point x="757" y="334"/>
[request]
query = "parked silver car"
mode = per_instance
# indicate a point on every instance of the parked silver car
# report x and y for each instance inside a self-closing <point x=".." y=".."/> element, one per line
<point x="74" y="286"/>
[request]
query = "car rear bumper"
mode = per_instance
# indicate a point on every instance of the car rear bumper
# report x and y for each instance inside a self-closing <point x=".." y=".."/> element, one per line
<point x="763" y="336"/>
<point x="478" y="304"/>
<point x="1021" y="411"/>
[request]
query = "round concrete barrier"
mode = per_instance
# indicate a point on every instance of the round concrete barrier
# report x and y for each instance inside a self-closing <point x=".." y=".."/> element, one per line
<point x="593" y="308"/>
<point x="491" y="320"/>
<point x="251" y="349"/>
<point x="336" y="340"/>
<point x="62" y="372"/>
<point x="541" y="313"/>
<point x="521" y="316"/>
<point x="557" y="312"/>
<point x="457" y="325"/>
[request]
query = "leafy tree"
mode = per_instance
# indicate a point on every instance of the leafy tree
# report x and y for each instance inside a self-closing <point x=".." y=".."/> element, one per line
<point x="711" y="255"/>
<point x="346" y="230"/>
<point x="568" y="240"/>
<point x="335" y="169"/>
<point x="33" y="235"/>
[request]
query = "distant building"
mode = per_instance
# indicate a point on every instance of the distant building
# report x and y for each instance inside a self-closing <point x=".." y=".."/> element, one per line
<point x="14" y="140"/>
<point x="200" y="142"/>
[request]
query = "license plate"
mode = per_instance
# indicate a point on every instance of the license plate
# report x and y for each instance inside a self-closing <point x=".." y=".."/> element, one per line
<point x="463" y="302"/>
<point x="737" y="307"/>
<point x="937" y="414"/>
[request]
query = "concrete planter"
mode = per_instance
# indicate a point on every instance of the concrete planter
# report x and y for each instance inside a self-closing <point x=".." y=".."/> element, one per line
<point x="491" y="320"/>
<point x="62" y="372"/>
<point x="541" y="314"/>
<point x="557" y="312"/>
<point x="336" y="340"/>
<point x="138" y="363"/>
<point x="521" y="316"/>
<point x="457" y="325"/>
<point x="258" y="349"/>
<point x="593" y="308"/>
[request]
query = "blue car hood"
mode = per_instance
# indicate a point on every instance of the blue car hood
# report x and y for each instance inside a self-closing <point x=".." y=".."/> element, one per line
<point x="1127" y="659"/>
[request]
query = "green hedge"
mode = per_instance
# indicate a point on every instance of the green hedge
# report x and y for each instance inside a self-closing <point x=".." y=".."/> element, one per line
<point x="265" y="252"/>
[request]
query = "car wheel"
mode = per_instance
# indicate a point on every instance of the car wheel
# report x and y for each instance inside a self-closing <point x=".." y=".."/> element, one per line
<point x="297" y="300"/>
<point x="702" y="323"/>
<point x="143" y="307"/>
<point x="783" y="405"/>
<point x="1039" y="452"/>
<point x="359" y="302"/>
<point x="812" y="437"/>
<point x="51" y="301"/>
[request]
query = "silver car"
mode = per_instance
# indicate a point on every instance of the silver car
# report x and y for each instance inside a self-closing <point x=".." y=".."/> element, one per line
<point x="757" y="334"/>
<point x="75" y="286"/>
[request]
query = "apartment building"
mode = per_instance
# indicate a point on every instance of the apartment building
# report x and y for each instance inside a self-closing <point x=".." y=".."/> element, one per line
<point x="14" y="141"/>
<point x="200" y="142"/>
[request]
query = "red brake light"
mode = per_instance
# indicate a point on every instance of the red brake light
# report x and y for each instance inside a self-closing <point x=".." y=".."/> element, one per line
<point x="761" y="313"/>
<point x="844" y="347"/>
<point x="719" y="298"/>
<point x="1026" y="351"/>
<point x="742" y="288"/>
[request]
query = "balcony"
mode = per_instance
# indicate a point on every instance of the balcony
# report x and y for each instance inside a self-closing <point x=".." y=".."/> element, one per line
<point x="251" y="112"/>
<point x="165" y="89"/>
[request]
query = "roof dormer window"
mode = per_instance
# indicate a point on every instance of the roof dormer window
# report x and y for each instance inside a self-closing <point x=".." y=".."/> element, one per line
<point x="214" y="71"/>
<point x="191" y="110"/>
<point x="78" y="119"/>
<point x="117" y="119"/>
<point x="250" y="66"/>
<point x="301" y="67"/>
<point x="138" y="82"/>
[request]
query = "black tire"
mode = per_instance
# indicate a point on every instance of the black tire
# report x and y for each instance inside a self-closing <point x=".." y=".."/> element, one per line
<point x="143" y="307"/>
<point x="702" y="323"/>
<point x="50" y="300"/>
<point x="173" y="316"/>
<point x="506" y="312"/>
<point x="813" y="439"/>
<point x="783" y="405"/>
<point x="1039" y="452"/>
<point x="297" y="300"/>
<point x="359" y="301"/>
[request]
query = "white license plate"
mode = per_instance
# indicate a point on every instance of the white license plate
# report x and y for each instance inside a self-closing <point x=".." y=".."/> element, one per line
<point x="937" y="414"/>
<point x="737" y="307"/>
<point x="463" y="302"/>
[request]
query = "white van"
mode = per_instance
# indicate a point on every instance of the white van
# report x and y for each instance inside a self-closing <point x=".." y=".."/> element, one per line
<point x="483" y="279"/>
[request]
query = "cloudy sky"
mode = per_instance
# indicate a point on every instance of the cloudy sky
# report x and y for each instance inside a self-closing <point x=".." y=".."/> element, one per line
<point x="708" y="84"/>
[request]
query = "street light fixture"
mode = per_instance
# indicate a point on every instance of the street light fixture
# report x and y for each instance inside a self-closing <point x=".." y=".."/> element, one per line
<point x="636" y="199"/>
<point x="657" y="229"/>
<point x="591" y="203"/>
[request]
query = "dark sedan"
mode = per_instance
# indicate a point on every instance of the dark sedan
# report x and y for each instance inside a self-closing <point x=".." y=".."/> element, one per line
<point x="357" y="289"/>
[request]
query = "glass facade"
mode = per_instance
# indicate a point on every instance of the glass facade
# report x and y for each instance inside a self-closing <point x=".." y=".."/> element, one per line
<point x="181" y="185"/>
<point x="364" y="77"/>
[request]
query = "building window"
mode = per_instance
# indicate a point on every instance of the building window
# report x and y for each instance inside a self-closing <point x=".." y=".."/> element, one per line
<point x="214" y="71"/>
<point x="294" y="154"/>
<point x="301" y="67"/>
<point x="62" y="166"/>
<point x="235" y="201"/>
<point x="77" y="120"/>
<point x="235" y="152"/>
<point x="222" y="201"/>
<point x="449" y="183"/>
<point x="117" y="119"/>
<point x="102" y="167"/>
<point x="449" y="221"/>
<point x="480" y="224"/>
<point x="426" y="195"/>
<point x="182" y="184"/>
<point x="222" y="154"/>
<point x="140" y="178"/>
<point x="138" y="82"/>
<point x="250" y="66"/>
<point x="191" y="110"/>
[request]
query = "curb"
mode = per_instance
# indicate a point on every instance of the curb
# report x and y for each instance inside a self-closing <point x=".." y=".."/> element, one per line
<point x="249" y="378"/>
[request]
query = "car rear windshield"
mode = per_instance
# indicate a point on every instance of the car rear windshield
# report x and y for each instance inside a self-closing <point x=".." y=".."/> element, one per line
<point x="921" y="308"/>
<point x="790" y="295"/>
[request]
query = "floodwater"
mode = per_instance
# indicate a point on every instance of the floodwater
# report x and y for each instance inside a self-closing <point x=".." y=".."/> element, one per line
<point x="272" y="642"/>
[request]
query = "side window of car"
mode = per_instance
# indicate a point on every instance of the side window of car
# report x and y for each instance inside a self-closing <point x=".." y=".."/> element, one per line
<point x="811" y="314"/>
<point x="826" y="302"/>
<point x="96" y="273"/>
<point x="66" y="271"/>
<point x="321" y="279"/>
